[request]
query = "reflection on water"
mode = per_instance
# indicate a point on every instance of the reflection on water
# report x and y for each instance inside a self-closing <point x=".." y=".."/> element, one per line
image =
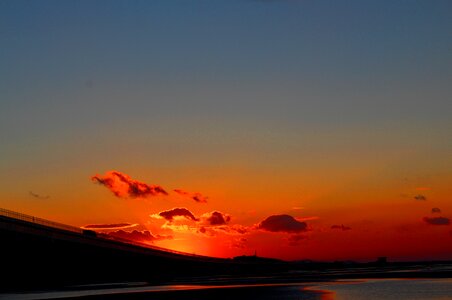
<point x="388" y="289"/>
<point x="372" y="289"/>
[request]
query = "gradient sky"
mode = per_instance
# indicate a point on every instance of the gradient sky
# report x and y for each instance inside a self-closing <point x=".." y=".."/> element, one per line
<point x="333" y="112"/>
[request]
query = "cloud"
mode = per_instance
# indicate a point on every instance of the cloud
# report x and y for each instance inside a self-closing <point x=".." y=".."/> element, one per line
<point x="231" y="230"/>
<point x="238" y="229"/>
<point x="209" y="224"/>
<point x="198" y="197"/>
<point x="38" y="196"/>
<point x="296" y="239"/>
<point x="297" y="208"/>
<point x="214" y="222"/>
<point x="138" y="236"/>
<point x="341" y="227"/>
<point x="169" y="215"/>
<point x="109" y="226"/>
<point x="207" y="231"/>
<point x="215" y="218"/>
<point x="436" y="220"/>
<point x="420" y="197"/>
<point x="282" y="223"/>
<point x="436" y="210"/>
<point x="239" y="243"/>
<point x="123" y="186"/>
<point x="423" y="188"/>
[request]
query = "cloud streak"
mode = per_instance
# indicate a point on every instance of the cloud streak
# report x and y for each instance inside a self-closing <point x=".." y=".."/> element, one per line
<point x="341" y="227"/>
<point x="109" y="226"/>
<point x="122" y="185"/>
<point x="37" y="196"/>
<point x="137" y="236"/>
<point x="296" y="239"/>
<point x="436" y="220"/>
<point x="198" y="197"/>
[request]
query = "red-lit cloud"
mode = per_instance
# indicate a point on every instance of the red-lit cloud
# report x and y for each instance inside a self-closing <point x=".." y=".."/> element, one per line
<point x="436" y="210"/>
<point x="169" y="215"/>
<point x="282" y="223"/>
<point x="437" y="220"/>
<point x="341" y="227"/>
<point x="123" y="185"/>
<point x="109" y="226"/>
<point x="198" y="197"/>
<point x="138" y="236"/>
<point x="209" y="224"/>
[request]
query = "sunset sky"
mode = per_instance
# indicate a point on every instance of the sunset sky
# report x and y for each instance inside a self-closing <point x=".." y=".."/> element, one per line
<point x="295" y="129"/>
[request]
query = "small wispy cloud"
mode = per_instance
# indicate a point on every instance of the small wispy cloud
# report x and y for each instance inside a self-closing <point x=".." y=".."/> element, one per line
<point x="420" y="197"/>
<point x="296" y="239"/>
<point x="37" y="196"/>
<point x="198" y="197"/>
<point x="144" y="236"/>
<point x="436" y="220"/>
<point x="109" y="226"/>
<point x="341" y="227"/>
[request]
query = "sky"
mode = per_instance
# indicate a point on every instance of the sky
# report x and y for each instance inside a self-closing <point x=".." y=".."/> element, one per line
<point x="291" y="129"/>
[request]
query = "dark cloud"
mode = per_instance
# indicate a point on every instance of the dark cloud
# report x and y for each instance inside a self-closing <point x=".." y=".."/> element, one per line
<point x="198" y="197"/>
<point x="138" y="236"/>
<point x="214" y="222"/>
<point x="123" y="186"/>
<point x="109" y="226"/>
<point x="420" y="197"/>
<point x="341" y="227"/>
<point x="282" y="223"/>
<point x="436" y="210"/>
<point x="177" y="212"/>
<point x="38" y="196"/>
<point x="436" y="220"/>
<point x="216" y="218"/>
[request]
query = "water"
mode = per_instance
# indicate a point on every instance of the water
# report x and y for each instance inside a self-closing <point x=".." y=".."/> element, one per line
<point x="369" y="289"/>
<point x="388" y="289"/>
